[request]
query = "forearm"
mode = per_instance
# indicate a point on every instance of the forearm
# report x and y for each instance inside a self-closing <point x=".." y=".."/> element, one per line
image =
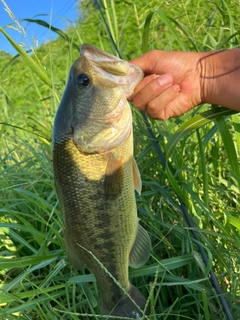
<point x="220" y="78"/>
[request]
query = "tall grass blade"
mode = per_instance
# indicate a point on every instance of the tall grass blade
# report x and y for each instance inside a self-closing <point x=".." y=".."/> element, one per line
<point x="7" y="297"/>
<point x="195" y="123"/>
<point x="167" y="22"/>
<point x="204" y="171"/>
<point x="229" y="147"/>
<point x="29" y="61"/>
<point x="24" y="261"/>
<point x="205" y="304"/>
<point x="59" y="32"/>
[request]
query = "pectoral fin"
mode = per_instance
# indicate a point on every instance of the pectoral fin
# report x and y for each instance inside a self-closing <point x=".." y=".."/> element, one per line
<point x="140" y="252"/>
<point x="113" y="181"/>
<point x="136" y="177"/>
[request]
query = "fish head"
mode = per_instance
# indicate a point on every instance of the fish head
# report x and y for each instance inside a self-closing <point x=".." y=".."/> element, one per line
<point x="95" y="100"/>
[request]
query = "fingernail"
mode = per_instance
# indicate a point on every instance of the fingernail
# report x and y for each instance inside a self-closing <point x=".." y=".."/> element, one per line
<point x="165" y="79"/>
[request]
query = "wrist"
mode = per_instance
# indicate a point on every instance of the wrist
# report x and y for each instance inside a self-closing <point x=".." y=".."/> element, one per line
<point x="219" y="78"/>
<point x="208" y="72"/>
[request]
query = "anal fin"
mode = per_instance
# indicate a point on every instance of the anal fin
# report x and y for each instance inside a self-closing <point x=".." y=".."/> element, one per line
<point x="140" y="252"/>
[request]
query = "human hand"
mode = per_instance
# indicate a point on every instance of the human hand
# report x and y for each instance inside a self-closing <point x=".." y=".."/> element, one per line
<point x="171" y="85"/>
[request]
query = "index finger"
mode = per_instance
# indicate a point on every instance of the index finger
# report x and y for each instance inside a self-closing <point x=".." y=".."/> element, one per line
<point x="148" y="61"/>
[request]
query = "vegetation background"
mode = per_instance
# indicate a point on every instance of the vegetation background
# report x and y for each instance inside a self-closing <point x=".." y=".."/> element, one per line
<point x="202" y="152"/>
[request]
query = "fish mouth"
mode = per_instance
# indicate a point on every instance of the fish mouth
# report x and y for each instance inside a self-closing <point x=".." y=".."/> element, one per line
<point x="112" y="71"/>
<point x="104" y="60"/>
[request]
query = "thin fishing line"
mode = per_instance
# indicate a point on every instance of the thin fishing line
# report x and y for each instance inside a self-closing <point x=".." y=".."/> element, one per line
<point x="182" y="204"/>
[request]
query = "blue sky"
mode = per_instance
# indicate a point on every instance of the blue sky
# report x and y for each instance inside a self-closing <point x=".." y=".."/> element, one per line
<point x="59" y="13"/>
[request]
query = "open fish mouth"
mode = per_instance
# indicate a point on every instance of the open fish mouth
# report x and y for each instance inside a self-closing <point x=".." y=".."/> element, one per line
<point x="103" y="61"/>
<point x="100" y="57"/>
<point x="111" y="71"/>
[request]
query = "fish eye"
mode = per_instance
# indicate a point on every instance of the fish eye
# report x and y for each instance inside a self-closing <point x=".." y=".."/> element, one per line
<point x="82" y="80"/>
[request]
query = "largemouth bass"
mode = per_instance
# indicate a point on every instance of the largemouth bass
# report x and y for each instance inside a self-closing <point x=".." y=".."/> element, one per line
<point x="95" y="176"/>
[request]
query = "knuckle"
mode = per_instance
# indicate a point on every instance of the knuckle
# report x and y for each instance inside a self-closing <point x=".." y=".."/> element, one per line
<point x="152" y="106"/>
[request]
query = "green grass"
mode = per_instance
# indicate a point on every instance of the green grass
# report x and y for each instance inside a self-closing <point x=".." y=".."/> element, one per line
<point x="201" y="147"/>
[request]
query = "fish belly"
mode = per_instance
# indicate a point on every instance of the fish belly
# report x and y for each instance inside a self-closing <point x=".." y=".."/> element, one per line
<point x="96" y="194"/>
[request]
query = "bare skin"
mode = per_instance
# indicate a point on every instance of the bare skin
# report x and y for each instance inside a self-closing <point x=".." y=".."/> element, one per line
<point x="176" y="82"/>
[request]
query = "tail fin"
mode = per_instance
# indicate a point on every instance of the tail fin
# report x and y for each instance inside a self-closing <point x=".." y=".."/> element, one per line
<point x="127" y="308"/>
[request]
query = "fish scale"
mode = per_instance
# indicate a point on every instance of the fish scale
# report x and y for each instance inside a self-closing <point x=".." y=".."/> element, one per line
<point x="76" y="196"/>
<point x="95" y="176"/>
